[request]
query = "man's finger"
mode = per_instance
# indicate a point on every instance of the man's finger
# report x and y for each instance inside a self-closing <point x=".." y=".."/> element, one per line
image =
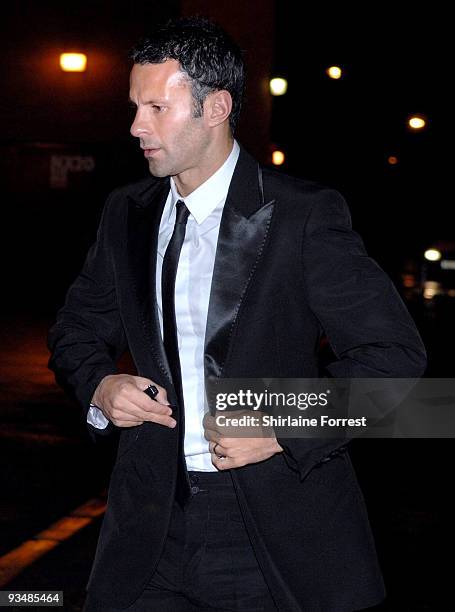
<point x="160" y="397"/>
<point x="148" y="405"/>
<point x="219" y="449"/>
<point x="128" y="423"/>
<point x="221" y="463"/>
<point x="208" y="420"/>
<point x="129" y="410"/>
<point x="211" y="434"/>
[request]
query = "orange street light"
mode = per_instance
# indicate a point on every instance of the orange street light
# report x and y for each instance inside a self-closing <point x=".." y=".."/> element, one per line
<point x="73" y="62"/>
<point x="278" y="158"/>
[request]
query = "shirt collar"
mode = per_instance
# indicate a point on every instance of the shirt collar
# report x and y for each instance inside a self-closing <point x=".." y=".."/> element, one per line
<point x="202" y="201"/>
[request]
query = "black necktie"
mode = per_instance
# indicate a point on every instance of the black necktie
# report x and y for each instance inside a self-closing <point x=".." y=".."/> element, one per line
<point x="168" y="274"/>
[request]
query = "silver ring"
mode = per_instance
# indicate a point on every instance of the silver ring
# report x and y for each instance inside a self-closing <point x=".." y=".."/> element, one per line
<point x="219" y="456"/>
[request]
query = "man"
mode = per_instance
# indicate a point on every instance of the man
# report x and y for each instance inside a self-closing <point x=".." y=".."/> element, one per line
<point x="216" y="267"/>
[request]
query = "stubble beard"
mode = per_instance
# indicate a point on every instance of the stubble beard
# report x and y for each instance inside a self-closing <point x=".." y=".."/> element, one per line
<point x="160" y="169"/>
<point x="156" y="171"/>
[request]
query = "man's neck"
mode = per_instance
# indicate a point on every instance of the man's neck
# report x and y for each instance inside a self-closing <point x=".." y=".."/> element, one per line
<point x="191" y="179"/>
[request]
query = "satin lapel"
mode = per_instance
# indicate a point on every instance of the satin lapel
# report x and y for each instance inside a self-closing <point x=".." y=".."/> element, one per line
<point x="243" y="232"/>
<point x="144" y="218"/>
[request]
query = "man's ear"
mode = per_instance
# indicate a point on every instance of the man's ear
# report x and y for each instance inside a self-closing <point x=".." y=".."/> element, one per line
<point x="217" y="107"/>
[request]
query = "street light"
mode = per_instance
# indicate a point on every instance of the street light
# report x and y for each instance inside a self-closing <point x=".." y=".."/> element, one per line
<point x="278" y="158"/>
<point x="432" y="254"/>
<point x="278" y="86"/>
<point x="416" y="122"/>
<point x="334" y="72"/>
<point x="73" y="62"/>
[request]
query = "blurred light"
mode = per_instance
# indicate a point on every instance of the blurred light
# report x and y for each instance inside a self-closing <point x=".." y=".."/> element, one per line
<point x="416" y="123"/>
<point x="73" y="62"/>
<point x="278" y="158"/>
<point x="409" y="280"/>
<point x="430" y="289"/>
<point x="334" y="72"/>
<point x="393" y="161"/>
<point x="448" y="264"/>
<point x="278" y="86"/>
<point x="432" y="254"/>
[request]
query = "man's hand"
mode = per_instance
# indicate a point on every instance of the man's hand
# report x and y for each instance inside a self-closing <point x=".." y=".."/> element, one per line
<point x="233" y="452"/>
<point x="122" y="400"/>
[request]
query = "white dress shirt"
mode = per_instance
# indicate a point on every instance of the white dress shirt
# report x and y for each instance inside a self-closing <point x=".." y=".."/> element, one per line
<point x="192" y="292"/>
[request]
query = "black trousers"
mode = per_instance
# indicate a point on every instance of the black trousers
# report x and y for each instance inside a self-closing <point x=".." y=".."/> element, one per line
<point x="208" y="562"/>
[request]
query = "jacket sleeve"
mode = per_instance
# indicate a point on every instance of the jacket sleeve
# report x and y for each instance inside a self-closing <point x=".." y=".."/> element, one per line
<point x="88" y="336"/>
<point x="366" y="322"/>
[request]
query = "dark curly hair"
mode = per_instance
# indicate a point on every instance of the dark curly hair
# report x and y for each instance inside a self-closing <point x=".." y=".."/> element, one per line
<point x="207" y="55"/>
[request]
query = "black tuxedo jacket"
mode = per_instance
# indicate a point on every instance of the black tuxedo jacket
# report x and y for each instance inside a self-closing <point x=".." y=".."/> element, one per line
<point x="288" y="268"/>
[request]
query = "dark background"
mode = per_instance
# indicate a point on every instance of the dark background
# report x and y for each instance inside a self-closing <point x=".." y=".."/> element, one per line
<point x="337" y="132"/>
<point x="396" y="62"/>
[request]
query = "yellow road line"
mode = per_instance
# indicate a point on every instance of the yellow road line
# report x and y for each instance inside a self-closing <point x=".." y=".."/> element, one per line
<point x="15" y="561"/>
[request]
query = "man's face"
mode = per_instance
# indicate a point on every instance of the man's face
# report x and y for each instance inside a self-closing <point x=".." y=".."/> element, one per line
<point x="173" y="140"/>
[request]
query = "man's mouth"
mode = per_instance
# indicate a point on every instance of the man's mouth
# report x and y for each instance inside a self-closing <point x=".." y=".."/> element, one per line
<point x="150" y="152"/>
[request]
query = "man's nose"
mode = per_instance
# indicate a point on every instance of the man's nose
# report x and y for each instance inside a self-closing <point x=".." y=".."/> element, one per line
<point x="139" y="125"/>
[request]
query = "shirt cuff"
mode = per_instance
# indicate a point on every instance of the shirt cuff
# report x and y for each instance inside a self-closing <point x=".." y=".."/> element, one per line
<point x="96" y="418"/>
